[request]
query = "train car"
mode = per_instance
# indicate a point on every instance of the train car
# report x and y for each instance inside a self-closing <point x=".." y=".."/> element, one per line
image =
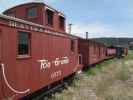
<point x="36" y="51"/>
<point x="121" y="51"/>
<point x="111" y="52"/>
<point x="34" y="55"/>
<point x="92" y="52"/>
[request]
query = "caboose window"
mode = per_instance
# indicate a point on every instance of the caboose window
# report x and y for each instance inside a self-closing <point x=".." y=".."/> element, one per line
<point x="49" y="17"/>
<point x="72" y="45"/>
<point x="32" y="12"/>
<point x="23" y="43"/>
<point x="61" y="22"/>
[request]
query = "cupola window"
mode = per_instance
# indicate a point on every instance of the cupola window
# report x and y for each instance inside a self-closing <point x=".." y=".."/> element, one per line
<point x="32" y="12"/>
<point x="49" y="17"/>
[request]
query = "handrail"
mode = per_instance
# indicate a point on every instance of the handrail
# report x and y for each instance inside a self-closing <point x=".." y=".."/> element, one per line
<point x="8" y="85"/>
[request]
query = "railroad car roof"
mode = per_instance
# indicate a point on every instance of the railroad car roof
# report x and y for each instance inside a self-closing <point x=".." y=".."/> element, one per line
<point x="5" y="17"/>
<point x="36" y="3"/>
<point x="91" y="40"/>
<point x="119" y="46"/>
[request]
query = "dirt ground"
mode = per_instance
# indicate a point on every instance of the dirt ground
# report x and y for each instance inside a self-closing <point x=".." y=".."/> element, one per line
<point x="110" y="80"/>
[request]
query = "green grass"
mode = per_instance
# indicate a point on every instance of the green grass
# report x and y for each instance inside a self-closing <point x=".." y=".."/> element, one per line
<point x="123" y="73"/>
<point x="99" y="67"/>
<point x="114" y="70"/>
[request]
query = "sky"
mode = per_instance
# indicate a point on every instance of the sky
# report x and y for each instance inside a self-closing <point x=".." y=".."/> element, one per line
<point x="101" y="18"/>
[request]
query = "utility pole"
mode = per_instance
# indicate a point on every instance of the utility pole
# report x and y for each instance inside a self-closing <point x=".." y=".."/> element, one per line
<point x="70" y="28"/>
<point x="87" y="35"/>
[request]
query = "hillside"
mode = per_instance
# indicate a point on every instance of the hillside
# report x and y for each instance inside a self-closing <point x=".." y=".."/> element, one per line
<point x="114" y="41"/>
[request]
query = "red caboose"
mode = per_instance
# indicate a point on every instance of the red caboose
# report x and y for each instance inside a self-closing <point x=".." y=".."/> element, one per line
<point x="33" y="56"/>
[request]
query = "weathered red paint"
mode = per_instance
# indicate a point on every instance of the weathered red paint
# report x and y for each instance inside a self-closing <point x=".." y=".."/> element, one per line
<point x="111" y="51"/>
<point x="25" y="72"/>
<point x="47" y="43"/>
<point x="92" y="52"/>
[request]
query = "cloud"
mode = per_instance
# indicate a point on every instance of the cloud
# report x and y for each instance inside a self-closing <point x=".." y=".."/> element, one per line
<point x="94" y="29"/>
<point x="97" y="30"/>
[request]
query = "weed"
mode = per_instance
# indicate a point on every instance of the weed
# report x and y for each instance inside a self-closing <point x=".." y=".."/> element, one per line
<point x="123" y="73"/>
<point x="98" y="68"/>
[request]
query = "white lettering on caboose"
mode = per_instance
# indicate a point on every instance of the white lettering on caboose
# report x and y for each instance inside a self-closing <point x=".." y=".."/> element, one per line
<point x="62" y="61"/>
<point x="46" y="64"/>
<point x="56" y="74"/>
<point x="25" y="26"/>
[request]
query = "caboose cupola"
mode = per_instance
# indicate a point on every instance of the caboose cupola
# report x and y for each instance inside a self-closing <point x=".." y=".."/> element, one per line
<point x="39" y="13"/>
